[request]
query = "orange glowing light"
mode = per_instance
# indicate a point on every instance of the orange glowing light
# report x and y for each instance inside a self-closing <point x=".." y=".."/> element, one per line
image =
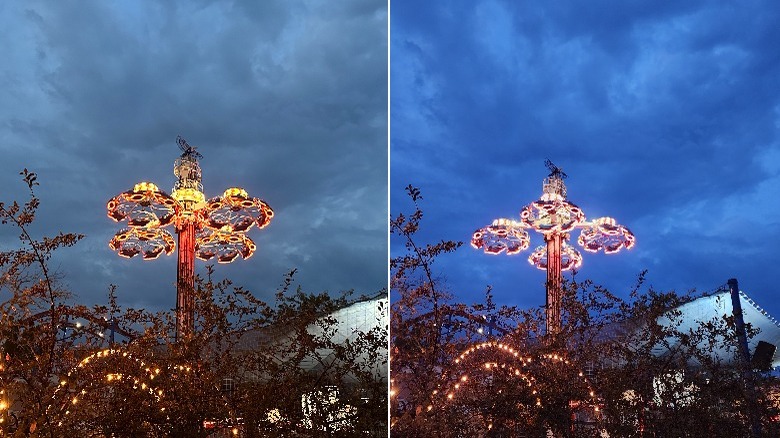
<point x="555" y="217"/>
<point x="220" y="223"/>
<point x="495" y="357"/>
<point x="213" y="229"/>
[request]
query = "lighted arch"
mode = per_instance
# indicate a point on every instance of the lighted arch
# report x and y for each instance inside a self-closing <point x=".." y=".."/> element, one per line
<point x="75" y="388"/>
<point x="506" y="358"/>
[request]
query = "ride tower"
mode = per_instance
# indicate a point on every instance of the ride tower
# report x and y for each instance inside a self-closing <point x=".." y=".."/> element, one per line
<point x="206" y="229"/>
<point x="555" y="218"/>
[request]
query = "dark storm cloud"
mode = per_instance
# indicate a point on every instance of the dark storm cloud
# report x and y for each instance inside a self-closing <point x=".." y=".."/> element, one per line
<point x="665" y="116"/>
<point x="284" y="98"/>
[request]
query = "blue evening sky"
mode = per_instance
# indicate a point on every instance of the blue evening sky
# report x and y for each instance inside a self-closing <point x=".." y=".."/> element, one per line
<point x="664" y="115"/>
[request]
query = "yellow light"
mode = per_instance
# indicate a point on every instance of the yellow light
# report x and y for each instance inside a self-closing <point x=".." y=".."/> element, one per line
<point x="3" y="405"/>
<point x="75" y="400"/>
<point x="188" y="195"/>
<point x="235" y="431"/>
<point x="144" y="186"/>
<point x="235" y="191"/>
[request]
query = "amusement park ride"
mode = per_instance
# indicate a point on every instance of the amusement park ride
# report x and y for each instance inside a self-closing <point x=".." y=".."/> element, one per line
<point x="555" y="218"/>
<point x="207" y="229"/>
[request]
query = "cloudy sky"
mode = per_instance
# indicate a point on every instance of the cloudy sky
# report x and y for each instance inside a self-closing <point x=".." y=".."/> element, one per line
<point x="664" y="115"/>
<point x="287" y="99"/>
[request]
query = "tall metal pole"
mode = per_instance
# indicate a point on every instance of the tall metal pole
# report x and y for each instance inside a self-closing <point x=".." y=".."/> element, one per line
<point x="188" y="190"/>
<point x="185" y="281"/>
<point x="554" y="283"/>
<point x="744" y="356"/>
<point x="553" y="188"/>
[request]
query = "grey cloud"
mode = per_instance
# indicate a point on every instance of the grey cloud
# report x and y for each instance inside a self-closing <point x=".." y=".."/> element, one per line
<point x="286" y="99"/>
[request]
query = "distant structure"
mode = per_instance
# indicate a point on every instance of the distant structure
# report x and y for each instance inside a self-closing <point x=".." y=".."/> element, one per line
<point x="554" y="217"/>
<point x="206" y="229"/>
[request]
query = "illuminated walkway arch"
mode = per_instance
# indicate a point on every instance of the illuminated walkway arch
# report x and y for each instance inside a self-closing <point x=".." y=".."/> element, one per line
<point x="106" y="372"/>
<point x="521" y="386"/>
<point x="100" y="374"/>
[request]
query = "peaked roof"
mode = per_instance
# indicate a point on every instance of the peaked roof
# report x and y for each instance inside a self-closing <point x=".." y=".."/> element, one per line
<point x="351" y="321"/>
<point x="718" y="305"/>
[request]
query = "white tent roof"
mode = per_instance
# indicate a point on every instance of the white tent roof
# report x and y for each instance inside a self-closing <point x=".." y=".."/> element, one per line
<point x="352" y="320"/>
<point x="719" y="305"/>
